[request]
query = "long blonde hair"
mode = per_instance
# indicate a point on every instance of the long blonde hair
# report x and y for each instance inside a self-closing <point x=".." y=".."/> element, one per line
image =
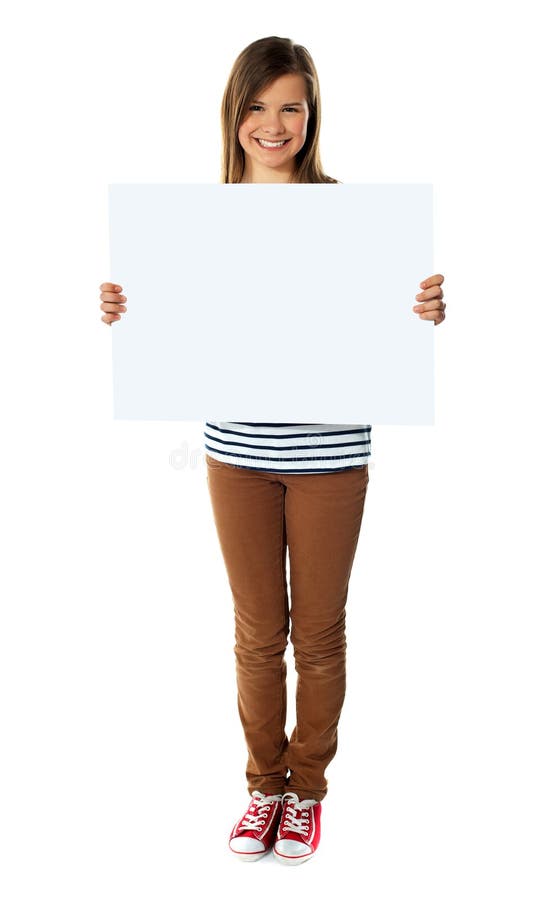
<point x="257" y="66"/>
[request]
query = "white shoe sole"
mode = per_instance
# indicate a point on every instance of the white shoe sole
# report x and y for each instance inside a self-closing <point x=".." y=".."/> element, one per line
<point x="292" y="860"/>
<point x="249" y="857"/>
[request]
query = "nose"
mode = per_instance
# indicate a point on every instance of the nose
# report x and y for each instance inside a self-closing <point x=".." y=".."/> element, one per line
<point x="272" y="124"/>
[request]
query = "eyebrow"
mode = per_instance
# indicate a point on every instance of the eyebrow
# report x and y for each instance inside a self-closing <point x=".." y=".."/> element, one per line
<point x="287" y="103"/>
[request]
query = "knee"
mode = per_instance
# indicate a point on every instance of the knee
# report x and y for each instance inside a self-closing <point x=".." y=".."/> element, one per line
<point x="317" y="646"/>
<point x="259" y="650"/>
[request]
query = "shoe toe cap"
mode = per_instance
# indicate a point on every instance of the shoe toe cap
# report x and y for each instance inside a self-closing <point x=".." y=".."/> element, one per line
<point x="292" y="848"/>
<point x="246" y="845"/>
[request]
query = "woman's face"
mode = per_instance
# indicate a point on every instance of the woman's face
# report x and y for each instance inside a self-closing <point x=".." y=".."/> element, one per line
<point x="281" y="114"/>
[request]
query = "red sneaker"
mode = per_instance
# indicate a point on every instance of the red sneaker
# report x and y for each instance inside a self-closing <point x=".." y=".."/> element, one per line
<point x="253" y="835"/>
<point x="299" y="830"/>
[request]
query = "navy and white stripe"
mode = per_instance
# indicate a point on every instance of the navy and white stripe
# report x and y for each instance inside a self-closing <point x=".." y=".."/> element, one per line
<point x="290" y="448"/>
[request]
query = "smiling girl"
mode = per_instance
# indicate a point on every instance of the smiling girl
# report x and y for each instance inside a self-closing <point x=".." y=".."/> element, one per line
<point x="277" y="485"/>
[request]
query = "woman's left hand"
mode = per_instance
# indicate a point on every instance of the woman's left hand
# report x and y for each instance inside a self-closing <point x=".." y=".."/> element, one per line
<point x="433" y="306"/>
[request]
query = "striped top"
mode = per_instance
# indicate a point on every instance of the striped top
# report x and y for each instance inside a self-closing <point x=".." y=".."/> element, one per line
<point x="288" y="447"/>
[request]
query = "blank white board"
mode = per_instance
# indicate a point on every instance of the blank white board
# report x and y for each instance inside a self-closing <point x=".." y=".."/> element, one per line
<point x="272" y="302"/>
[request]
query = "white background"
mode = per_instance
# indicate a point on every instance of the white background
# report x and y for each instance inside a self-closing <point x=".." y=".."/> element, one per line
<point x="122" y="760"/>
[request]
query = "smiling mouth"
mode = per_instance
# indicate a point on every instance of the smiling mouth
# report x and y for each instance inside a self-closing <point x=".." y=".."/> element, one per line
<point x="279" y="146"/>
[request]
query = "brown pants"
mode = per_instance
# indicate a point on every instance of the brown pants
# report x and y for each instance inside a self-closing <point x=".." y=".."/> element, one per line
<point x="319" y="516"/>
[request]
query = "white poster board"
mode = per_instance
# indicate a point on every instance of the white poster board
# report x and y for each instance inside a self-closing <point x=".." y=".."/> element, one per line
<point x="272" y="302"/>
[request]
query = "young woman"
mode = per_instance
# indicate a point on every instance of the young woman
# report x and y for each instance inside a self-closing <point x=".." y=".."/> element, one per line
<point x="274" y="485"/>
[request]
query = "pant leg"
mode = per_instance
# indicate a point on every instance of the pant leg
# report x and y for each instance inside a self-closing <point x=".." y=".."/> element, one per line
<point x="323" y="518"/>
<point x="248" y="508"/>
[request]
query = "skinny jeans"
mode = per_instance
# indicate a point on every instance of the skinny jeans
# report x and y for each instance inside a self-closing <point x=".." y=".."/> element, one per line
<point x="318" y="517"/>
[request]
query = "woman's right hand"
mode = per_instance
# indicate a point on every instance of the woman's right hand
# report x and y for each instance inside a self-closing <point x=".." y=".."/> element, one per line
<point x="111" y="298"/>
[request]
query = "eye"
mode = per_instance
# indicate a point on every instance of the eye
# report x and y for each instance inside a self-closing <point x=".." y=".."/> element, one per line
<point x="256" y="106"/>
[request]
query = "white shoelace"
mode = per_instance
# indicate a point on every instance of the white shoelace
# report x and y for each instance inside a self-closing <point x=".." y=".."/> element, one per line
<point x="295" y="820"/>
<point x="253" y="820"/>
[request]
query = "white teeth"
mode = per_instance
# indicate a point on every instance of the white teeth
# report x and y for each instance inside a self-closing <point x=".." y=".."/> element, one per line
<point x="271" y="143"/>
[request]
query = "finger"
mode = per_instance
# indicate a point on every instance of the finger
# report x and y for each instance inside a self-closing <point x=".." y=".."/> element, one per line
<point x="110" y="286"/>
<point x="112" y="307"/>
<point x="109" y="318"/>
<point x="436" y="314"/>
<point x="433" y="279"/>
<point x="113" y="298"/>
<point x="430" y="304"/>
<point x="429" y="294"/>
